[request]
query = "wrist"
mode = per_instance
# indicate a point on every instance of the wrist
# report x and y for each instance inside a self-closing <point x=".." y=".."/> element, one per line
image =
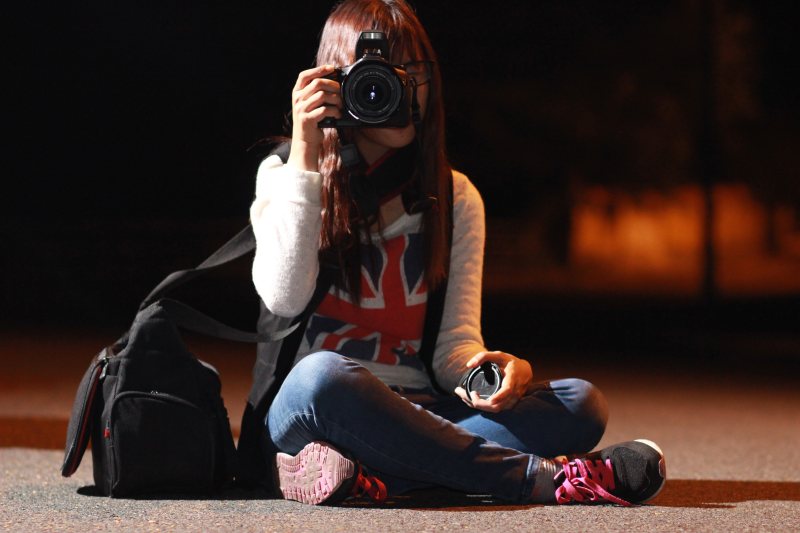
<point x="304" y="156"/>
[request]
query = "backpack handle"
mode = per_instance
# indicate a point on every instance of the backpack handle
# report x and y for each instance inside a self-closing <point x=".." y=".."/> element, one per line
<point x="193" y="320"/>
<point x="240" y="244"/>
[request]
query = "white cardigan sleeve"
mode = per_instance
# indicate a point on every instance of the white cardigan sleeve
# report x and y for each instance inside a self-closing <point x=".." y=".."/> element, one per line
<point x="460" y="333"/>
<point x="286" y="216"/>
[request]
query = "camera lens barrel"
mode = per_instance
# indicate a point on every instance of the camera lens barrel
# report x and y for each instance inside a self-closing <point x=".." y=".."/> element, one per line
<point x="372" y="92"/>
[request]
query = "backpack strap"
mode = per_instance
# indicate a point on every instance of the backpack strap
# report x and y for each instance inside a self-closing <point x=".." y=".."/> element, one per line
<point x="241" y="244"/>
<point x="273" y="363"/>
<point x="435" y="307"/>
<point x="191" y="319"/>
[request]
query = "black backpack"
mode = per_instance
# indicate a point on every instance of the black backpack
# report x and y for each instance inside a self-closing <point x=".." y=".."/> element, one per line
<point x="153" y="411"/>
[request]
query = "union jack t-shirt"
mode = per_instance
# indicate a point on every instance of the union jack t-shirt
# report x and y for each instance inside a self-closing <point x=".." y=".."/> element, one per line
<point x="386" y="325"/>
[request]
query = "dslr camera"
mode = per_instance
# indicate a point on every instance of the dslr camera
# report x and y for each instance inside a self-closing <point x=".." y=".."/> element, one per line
<point x="374" y="92"/>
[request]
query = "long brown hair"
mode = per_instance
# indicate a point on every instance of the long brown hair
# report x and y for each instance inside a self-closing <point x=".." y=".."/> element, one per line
<point x="340" y="239"/>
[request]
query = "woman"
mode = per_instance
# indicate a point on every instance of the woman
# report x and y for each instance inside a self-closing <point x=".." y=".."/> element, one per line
<point x="359" y="394"/>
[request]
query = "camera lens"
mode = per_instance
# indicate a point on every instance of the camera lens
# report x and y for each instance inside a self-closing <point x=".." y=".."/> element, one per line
<point x="372" y="93"/>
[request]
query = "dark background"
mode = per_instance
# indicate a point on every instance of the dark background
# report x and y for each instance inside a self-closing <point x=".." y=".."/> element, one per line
<point x="130" y="127"/>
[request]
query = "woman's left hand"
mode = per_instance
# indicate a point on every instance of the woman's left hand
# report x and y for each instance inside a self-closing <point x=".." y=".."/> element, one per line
<point x="517" y="378"/>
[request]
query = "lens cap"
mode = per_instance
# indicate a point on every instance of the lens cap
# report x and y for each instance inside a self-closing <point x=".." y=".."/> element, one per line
<point x="485" y="380"/>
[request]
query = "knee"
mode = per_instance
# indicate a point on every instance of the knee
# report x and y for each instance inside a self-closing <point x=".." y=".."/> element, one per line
<point x="588" y="404"/>
<point x="322" y="376"/>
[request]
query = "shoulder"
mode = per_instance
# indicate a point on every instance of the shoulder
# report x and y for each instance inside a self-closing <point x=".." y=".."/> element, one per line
<point x="466" y="198"/>
<point x="278" y="180"/>
<point x="270" y="162"/>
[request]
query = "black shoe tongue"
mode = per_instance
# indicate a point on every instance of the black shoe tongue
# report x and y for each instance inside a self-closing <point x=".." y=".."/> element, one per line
<point x="630" y="472"/>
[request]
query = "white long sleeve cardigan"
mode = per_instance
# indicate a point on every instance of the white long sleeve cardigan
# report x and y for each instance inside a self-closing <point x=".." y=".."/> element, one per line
<point x="286" y="218"/>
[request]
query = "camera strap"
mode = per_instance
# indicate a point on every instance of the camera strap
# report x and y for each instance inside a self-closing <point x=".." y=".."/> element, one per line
<point x="392" y="175"/>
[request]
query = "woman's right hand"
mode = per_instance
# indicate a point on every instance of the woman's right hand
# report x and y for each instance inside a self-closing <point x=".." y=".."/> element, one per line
<point x="313" y="99"/>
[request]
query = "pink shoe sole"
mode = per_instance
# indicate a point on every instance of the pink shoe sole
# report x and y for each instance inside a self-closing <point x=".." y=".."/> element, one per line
<point x="316" y="473"/>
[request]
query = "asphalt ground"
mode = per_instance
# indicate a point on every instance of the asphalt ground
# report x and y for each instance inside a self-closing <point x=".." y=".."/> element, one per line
<point x="730" y="431"/>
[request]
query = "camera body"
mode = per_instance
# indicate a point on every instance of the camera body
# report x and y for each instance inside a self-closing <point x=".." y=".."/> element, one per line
<point x="374" y="92"/>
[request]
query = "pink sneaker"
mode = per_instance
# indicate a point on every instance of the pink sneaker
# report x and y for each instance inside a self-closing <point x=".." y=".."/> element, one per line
<point x="319" y="473"/>
<point x="626" y="473"/>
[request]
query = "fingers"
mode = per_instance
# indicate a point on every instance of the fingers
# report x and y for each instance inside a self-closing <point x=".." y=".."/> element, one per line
<point x="316" y="94"/>
<point x="489" y="405"/>
<point x="461" y="393"/>
<point x="307" y="76"/>
<point x="505" y="398"/>
<point x="319" y="103"/>
<point x="472" y="401"/>
<point x="314" y="98"/>
<point x="517" y="376"/>
<point x="319" y="87"/>
<point x="493" y="357"/>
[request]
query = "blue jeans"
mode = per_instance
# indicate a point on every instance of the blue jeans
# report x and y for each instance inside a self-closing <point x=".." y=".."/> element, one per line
<point x="427" y="439"/>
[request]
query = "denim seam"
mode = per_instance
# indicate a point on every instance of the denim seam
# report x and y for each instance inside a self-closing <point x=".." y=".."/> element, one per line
<point x="290" y="420"/>
<point x="377" y="451"/>
<point x="298" y="414"/>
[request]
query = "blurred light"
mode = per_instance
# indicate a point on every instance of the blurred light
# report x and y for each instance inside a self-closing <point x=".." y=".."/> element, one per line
<point x="650" y="243"/>
<point x="654" y="240"/>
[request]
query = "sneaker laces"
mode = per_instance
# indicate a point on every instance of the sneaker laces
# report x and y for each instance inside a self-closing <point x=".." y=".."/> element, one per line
<point x="369" y="486"/>
<point x="587" y="481"/>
